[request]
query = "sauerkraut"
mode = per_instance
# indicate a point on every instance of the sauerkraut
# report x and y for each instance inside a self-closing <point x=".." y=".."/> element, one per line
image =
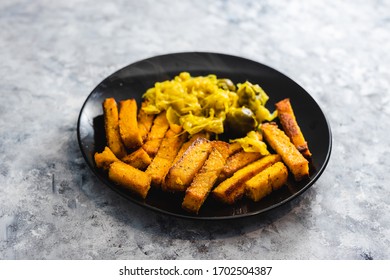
<point x="252" y="142"/>
<point x="202" y="103"/>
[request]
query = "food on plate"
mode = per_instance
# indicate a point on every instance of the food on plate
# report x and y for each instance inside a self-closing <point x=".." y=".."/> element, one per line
<point x="180" y="175"/>
<point x="129" y="177"/>
<point x="128" y="124"/>
<point x="239" y="121"/>
<point x="279" y="141"/>
<point x="290" y="126"/>
<point x="202" y="137"/>
<point x="205" y="179"/>
<point x="138" y="159"/>
<point x="234" y="147"/>
<point x="157" y="132"/>
<point x="232" y="189"/>
<point x="114" y="140"/>
<point x="202" y="103"/>
<point x="254" y="97"/>
<point x="252" y="142"/>
<point x="191" y="140"/>
<point x="105" y="158"/>
<point x="236" y="162"/>
<point x="170" y="146"/>
<point x="268" y="180"/>
<point x="145" y="121"/>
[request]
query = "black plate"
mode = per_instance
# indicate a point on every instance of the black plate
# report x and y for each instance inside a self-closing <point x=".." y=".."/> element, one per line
<point x="133" y="80"/>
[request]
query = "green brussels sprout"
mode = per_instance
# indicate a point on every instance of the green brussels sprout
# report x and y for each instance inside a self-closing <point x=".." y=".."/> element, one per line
<point x="226" y="84"/>
<point x="239" y="121"/>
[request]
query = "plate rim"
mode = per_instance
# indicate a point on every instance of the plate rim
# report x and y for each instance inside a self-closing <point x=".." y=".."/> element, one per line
<point x="103" y="180"/>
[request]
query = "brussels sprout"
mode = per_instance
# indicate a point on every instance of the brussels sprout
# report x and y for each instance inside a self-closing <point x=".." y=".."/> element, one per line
<point x="239" y="121"/>
<point x="226" y="84"/>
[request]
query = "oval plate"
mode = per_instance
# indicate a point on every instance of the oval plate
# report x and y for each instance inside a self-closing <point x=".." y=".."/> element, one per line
<point x="133" y="80"/>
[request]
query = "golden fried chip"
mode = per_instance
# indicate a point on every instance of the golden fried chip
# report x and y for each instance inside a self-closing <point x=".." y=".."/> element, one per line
<point x="105" y="158"/>
<point x="233" y="188"/>
<point x="236" y="162"/>
<point x="129" y="177"/>
<point x="290" y="126"/>
<point x="167" y="151"/>
<point x="279" y="141"/>
<point x="185" y="146"/>
<point x="180" y="175"/>
<point x="156" y="134"/>
<point x="145" y="121"/>
<point x="111" y="125"/>
<point x="268" y="180"/>
<point x="205" y="179"/>
<point x="128" y="124"/>
<point x="138" y="159"/>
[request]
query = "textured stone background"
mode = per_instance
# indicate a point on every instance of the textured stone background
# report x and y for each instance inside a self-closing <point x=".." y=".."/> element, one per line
<point x="53" y="53"/>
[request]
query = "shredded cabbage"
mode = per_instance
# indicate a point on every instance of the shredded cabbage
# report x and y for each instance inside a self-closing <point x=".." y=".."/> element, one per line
<point x="255" y="98"/>
<point x="202" y="103"/>
<point x="252" y="142"/>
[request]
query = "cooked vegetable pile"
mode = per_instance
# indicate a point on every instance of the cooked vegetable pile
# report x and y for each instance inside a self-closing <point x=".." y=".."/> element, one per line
<point x="206" y="102"/>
